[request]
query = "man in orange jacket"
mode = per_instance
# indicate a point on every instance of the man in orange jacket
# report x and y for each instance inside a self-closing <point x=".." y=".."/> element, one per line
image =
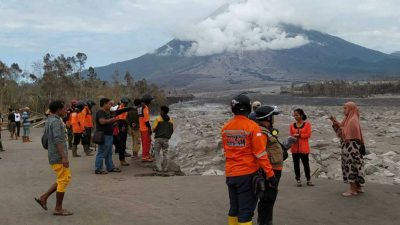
<point x="244" y="147"/>
<point x="88" y="119"/>
<point x="145" y="128"/>
<point x="78" y="128"/>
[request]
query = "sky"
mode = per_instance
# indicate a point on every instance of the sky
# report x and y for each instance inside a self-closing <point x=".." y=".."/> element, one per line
<point x="112" y="31"/>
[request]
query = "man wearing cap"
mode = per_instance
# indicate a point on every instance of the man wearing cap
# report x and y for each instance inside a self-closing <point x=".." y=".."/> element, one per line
<point x="245" y="153"/>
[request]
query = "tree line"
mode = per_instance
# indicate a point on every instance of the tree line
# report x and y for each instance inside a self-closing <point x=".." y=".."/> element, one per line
<point x="64" y="77"/>
<point x="341" y="88"/>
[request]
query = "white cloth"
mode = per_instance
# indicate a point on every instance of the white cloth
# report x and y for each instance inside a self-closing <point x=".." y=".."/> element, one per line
<point x="17" y="117"/>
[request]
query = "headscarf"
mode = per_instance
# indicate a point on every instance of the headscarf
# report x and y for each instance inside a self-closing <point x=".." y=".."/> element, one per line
<point x="351" y="128"/>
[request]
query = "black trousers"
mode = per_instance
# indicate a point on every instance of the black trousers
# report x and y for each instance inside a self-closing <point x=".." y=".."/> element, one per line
<point x="266" y="204"/>
<point x="305" y="160"/>
<point x="242" y="199"/>
<point x="80" y="138"/>
<point x="89" y="135"/>
<point x="118" y="147"/>
<point x="123" y="133"/>
<point x="18" y="124"/>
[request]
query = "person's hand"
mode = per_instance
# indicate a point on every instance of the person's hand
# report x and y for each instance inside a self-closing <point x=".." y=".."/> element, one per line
<point x="296" y="135"/>
<point x="273" y="182"/>
<point x="65" y="162"/>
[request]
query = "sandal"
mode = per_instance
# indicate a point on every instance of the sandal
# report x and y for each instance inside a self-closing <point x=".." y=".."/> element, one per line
<point x="309" y="183"/>
<point x="115" y="170"/>
<point x="100" y="172"/>
<point x="63" y="212"/>
<point x="299" y="183"/>
<point x="349" y="194"/>
<point x="43" y="205"/>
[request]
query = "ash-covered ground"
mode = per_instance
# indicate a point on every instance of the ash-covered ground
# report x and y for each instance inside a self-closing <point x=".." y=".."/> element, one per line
<point x="196" y="144"/>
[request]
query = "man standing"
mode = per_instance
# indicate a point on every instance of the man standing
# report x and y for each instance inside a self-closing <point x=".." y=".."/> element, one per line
<point x="163" y="128"/>
<point x="11" y="123"/>
<point x="26" y="124"/>
<point x="145" y="128"/>
<point x="58" y="158"/>
<point x="88" y="120"/>
<point x="244" y="147"/>
<point x="67" y="121"/>
<point x="17" y="116"/>
<point x="78" y="128"/>
<point x="123" y="125"/>
<point x="133" y="123"/>
<point x="1" y="144"/>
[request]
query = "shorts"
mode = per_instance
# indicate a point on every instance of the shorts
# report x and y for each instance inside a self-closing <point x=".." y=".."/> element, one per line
<point x="63" y="176"/>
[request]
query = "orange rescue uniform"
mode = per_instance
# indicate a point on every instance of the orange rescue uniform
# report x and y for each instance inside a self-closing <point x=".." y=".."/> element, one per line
<point x="77" y="123"/>
<point x="87" y="117"/>
<point x="122" y="116"/>
<point x="143" y="119"/>
<point x="244" y="147"/>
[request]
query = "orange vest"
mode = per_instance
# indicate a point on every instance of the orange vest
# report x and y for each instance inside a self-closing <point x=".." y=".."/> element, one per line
<point x="122" y="116"/>
<point x="77" y="123"/>
<point x="244" y="147"/>
<point x="302" y="145"/>
<point x="87" y="116"/>
<point x="145" y="118"/>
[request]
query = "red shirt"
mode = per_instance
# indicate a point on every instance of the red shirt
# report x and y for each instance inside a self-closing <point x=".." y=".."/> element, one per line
<point x="302" y="145"/>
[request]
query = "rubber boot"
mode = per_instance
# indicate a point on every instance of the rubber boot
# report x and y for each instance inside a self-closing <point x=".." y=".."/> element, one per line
<point x="124" y="163"/>
<point x="232" y="220"/>
<point x="246" y="223"/>
<point x="87" y="150"/>
<point x="75" y="151"/>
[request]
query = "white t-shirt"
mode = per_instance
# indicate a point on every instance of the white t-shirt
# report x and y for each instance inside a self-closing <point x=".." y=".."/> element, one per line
<point x="17" y="117"/>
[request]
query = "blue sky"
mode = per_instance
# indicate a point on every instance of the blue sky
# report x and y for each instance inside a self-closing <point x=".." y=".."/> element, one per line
<point x="111" y="31"/>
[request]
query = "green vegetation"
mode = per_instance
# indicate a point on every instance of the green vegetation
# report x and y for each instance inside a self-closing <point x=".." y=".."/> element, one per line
<point x="61" y="77"/>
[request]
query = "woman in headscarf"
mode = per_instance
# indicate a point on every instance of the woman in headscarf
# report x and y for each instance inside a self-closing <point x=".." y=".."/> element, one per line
<point x="352" y="143"/>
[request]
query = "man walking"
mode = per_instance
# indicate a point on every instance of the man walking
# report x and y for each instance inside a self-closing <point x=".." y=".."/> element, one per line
<point x="58" y="158"/>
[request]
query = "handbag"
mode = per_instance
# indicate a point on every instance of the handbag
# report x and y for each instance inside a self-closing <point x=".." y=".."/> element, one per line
<point x="98" y="137"/>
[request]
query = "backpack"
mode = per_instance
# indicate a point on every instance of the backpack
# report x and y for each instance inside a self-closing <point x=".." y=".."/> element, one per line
<point x="45" y="137"/>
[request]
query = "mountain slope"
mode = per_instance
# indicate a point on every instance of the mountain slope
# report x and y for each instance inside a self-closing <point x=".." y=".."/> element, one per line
<point x="324" y="57"/>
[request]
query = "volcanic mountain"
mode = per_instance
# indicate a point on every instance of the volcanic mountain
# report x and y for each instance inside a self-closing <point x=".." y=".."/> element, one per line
<point x="324" y="57"/>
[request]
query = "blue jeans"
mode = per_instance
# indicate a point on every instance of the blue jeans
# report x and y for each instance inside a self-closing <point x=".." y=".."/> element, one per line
<point x="105" y="153"/>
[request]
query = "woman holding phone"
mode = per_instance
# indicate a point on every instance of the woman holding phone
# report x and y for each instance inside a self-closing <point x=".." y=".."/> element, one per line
<point x="353" y="149"/>
<point x="301" y="130"/>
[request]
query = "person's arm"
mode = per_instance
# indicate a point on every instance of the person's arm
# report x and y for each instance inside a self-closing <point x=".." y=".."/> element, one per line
<point x="155" y="124"/>
<point x="259" y="143"/>
<point x="306" y="131"/>
<point x="58" y="135"/>
<point x="146" y="115"/>
<point x="104" y="121"/>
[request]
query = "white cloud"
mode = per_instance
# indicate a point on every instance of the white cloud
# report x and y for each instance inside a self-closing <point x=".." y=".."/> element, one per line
<point x="254" y="25"/>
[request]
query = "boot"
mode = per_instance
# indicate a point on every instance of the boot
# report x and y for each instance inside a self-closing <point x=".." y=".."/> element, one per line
<point x="124" y="163"/>
<point x="87" y="150"/>
<point x="232" y="220"/>
<point x="75" y="151"/>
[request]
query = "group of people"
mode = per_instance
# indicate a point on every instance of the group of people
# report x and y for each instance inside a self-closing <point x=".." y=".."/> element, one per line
<point x="75" y="124"/>
<point x="255" y="156"/>
<point x="16" y="120"/>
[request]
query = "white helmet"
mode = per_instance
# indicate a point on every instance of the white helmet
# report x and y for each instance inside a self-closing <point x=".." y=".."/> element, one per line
<point x="255" y="105"/>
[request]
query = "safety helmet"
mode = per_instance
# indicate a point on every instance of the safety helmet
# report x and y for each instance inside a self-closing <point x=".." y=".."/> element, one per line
<point x="80" y="105"/>
<point x="125" y="100"/>
<point x="90" y="103"/>
<point x="266" y="113"/>
<point x="255" y="105"/>
<point x="74" y="102"/>
<point x="241" y="105"/>
<point x="147" y="99"/>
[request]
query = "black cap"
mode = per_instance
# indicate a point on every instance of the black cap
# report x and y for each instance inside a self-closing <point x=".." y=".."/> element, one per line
<point x="241" y="105"/>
